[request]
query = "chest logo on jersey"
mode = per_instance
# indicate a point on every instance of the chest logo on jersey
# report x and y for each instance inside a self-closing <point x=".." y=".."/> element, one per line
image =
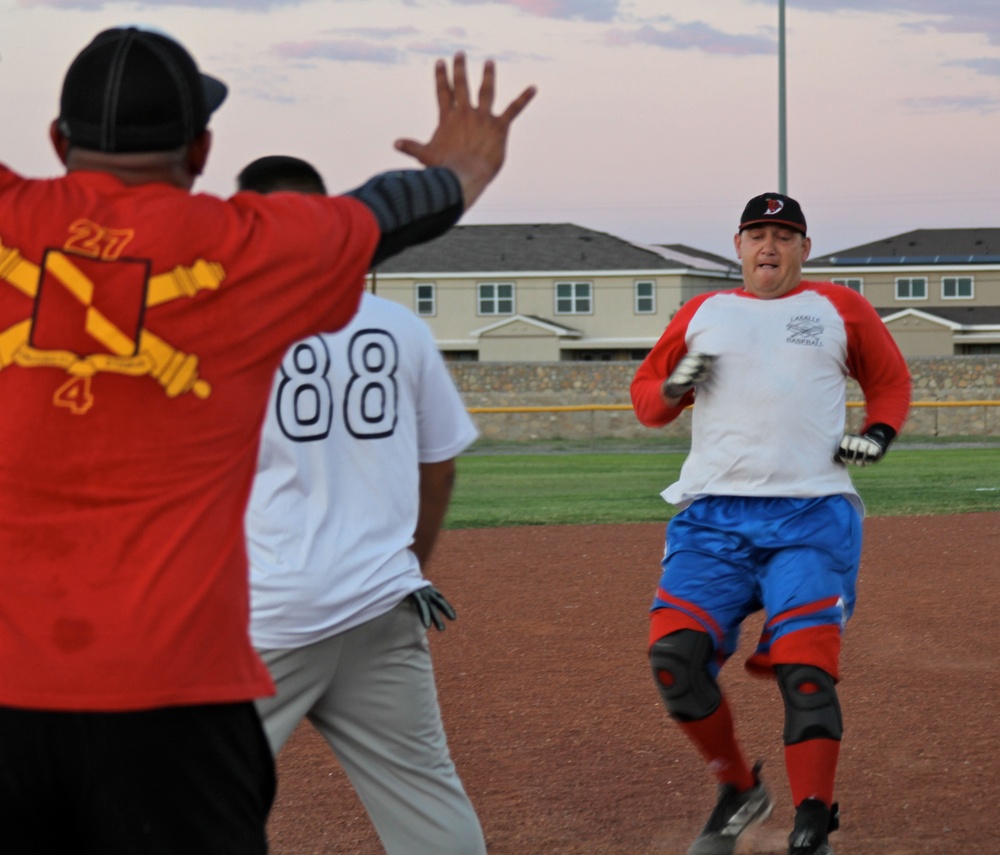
<point x="806" y="330"/>
<point x="88" y="317"/>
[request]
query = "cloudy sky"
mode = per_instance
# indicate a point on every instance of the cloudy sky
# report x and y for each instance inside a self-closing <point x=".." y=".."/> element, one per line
<point x="655" y="120"/>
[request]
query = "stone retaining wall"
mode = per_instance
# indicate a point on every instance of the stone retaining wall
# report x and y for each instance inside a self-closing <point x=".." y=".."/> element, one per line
<point x="548" y="384"/>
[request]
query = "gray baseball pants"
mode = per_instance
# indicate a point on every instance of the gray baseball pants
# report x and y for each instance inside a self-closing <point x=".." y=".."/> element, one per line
<point x="370" y="692"/>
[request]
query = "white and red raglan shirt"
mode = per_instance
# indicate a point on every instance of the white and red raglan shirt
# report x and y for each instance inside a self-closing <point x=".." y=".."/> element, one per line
<point x="769" y="418"/>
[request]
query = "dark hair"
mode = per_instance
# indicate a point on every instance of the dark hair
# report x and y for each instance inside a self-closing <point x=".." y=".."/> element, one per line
<point x="280" y="172"/>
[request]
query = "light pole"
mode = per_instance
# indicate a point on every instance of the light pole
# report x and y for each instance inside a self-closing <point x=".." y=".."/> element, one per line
<point x="782" y="129"/>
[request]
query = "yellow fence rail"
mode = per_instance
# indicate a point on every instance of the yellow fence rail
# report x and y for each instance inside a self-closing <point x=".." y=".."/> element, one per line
<point x="594" y="421"/>
<point x="585" y="408"/>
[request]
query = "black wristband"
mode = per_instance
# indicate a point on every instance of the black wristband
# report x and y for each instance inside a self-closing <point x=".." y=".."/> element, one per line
<point x="674" y="391"/>
<point x="411" y="206"/>
<point x="881" y="433"/>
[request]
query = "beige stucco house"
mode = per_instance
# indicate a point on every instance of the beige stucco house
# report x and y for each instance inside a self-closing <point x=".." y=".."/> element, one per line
<point x="558" y="292"/>
<point x="938" y="290"/>
<point x="546" y="292"/>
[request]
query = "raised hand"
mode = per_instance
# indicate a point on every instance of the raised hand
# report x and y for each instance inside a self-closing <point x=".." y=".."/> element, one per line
<point x="469" y="139"/>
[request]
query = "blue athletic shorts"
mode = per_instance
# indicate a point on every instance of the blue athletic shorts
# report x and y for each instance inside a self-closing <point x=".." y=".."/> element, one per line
<point x="729" y="556"/>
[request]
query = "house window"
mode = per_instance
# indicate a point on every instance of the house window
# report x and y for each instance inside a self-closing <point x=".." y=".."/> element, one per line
<point x="911" y="289"/>
<point x="574" y="298"/>
<point x="853" y="284"/>
<point x="956" y="287"/>
<point x="496" y="298"/>
<point x="976" y="349"/>
<point x="645" y="298"/>
<point x="426" y="301"/>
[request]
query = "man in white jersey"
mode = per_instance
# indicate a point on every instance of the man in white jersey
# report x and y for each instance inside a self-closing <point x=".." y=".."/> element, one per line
<point x="355" y="473"/>
<point x="769" y="518"/>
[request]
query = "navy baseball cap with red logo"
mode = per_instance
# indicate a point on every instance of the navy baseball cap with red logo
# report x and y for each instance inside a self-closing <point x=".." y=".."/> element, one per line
<point x="774" y="208"/>
<point x="134" y="90"/>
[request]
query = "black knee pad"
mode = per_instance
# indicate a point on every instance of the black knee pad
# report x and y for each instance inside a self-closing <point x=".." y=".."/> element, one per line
<point x="812" y="710"/>
<point x="680" y="668"/>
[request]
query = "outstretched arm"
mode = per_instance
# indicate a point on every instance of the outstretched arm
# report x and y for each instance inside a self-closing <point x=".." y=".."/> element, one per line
<point x="469" y="139"/>
<point x="411" y="206"/>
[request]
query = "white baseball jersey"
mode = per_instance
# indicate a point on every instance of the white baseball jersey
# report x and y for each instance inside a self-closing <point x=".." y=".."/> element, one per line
<point x="769" y="417"/>
<point x="334" y="504"/>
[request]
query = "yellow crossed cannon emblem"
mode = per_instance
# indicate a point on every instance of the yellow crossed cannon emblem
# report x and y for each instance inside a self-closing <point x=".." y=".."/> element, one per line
<point x="137" y="355"/>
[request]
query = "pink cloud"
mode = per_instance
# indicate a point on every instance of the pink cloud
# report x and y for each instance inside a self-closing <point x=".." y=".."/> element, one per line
<point x="693" y="36"/>
<point x="588" y="10"/>
<point x="338" y="51"/>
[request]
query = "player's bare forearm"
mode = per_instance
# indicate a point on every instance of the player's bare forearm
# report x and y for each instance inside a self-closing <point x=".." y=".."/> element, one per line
<point x="469" y="139"/>
<point x="436" y="483"/>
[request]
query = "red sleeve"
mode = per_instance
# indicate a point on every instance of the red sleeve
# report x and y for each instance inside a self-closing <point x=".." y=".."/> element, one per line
<point x="647" y="401"/>
<point x="8" y="176"/>
<point x="299" y="261"/>
<point x="874" y="360"/>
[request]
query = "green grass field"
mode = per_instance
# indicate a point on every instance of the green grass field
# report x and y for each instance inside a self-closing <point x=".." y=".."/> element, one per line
<point x="580" y="488"/>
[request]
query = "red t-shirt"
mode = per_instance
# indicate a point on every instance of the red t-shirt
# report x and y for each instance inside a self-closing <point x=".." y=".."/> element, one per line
<point x="140" y="329"/>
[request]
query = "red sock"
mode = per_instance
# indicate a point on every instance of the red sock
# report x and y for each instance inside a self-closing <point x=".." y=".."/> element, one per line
<point x="812" y="767"/>
<point x="715" y="739"/>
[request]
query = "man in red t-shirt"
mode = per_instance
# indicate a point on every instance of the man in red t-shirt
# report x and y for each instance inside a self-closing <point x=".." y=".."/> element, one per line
<point x="140" y="328"/>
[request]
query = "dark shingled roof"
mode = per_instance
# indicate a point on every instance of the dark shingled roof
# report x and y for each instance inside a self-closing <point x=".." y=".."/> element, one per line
<point x="922" y="246"/>
<point x="525" y="247"/>
<point x="968" y="315"/>
<point x="702" y="254"/>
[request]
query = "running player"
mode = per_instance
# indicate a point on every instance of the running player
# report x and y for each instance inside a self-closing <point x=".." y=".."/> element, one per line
<point x="769" y="518"/>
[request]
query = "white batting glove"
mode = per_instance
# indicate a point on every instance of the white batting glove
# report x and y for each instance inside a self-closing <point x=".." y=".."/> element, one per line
<point x="866" y="448"/>
<point x="694" y="368"/>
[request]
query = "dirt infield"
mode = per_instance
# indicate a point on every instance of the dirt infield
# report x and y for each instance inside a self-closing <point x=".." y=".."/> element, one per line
<point x="563" y="745"/>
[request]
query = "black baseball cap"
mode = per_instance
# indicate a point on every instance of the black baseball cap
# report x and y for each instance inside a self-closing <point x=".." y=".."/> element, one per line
<point x="773" y="208"/>
<point x="133" y="90"/>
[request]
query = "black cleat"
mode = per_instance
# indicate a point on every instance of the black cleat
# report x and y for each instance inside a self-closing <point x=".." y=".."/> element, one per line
<point x="813" y="823"/>
<point x="734" y="813"/>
